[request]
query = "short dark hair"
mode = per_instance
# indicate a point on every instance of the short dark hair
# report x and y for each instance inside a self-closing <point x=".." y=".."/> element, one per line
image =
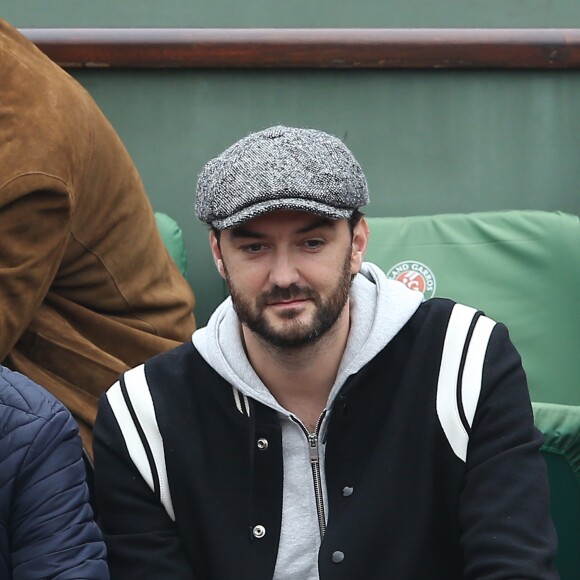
<point x="354" y="220"/>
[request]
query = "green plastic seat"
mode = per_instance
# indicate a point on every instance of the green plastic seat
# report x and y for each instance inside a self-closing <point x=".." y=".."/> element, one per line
<point x="560" y="425"/>
<point x="172" y="237"/>
<point x="520" y="267"/>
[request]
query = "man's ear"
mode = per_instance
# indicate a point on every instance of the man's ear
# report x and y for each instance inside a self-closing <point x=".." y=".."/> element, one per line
<point x="217" y="254"/>
<point x="360" y="239"/>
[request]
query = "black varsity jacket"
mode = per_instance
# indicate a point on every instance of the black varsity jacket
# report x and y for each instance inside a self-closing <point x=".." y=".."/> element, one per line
<point x="433" y="439"/>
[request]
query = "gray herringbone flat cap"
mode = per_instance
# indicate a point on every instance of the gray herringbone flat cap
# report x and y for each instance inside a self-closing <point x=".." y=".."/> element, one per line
<point x="280" y="168"/>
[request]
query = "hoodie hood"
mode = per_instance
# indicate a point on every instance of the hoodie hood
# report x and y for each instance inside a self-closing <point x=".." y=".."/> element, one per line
<point x="379" y="308"/>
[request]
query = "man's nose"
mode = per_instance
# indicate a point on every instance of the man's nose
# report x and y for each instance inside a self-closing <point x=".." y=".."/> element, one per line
<point x="283" y="272"/>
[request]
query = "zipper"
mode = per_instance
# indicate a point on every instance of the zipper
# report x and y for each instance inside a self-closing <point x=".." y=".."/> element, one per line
<point x="313" y="441"/>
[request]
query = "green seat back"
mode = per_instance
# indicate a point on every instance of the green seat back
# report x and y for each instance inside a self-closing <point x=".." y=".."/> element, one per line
<point x="561" y="450"/>
<point x="520" y="267"/>
<point x="172" y="237"/>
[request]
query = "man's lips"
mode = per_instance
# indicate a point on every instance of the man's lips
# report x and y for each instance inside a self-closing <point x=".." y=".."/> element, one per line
<point x="287" y="303"/>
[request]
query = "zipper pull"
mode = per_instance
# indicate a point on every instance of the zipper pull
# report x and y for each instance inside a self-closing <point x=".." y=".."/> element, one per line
<point x="313" y="440"/>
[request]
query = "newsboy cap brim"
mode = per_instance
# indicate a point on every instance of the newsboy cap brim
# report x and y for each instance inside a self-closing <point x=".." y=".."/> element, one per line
<point x="282" y="204"/>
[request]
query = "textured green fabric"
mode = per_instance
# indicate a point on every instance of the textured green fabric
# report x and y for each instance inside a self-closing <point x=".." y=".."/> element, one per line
<point x="521" y="267"/>
<point x="560" y="425"/>
<point x="172" y="237"/>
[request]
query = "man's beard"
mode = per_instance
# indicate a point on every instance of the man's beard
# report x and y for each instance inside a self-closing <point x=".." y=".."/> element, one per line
<point x="298" y="334"/>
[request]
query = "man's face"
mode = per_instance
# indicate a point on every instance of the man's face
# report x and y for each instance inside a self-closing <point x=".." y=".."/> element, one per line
<point x="289" y="273"/>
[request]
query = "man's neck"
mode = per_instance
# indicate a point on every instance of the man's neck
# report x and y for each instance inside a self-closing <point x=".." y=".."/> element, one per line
<point x="300" y="379"/>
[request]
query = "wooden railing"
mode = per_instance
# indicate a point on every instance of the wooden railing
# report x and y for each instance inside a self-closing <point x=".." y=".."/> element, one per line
<point x="311" y="48"/>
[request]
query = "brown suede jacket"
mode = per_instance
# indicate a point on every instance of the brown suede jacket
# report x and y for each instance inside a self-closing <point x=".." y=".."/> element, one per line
<point x="87" y="288"/>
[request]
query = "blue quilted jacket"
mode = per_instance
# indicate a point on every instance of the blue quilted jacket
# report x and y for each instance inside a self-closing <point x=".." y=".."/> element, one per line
<point x="46" y="523"/>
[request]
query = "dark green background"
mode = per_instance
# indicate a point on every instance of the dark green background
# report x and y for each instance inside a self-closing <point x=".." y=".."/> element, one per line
<point x="293" y="13"/>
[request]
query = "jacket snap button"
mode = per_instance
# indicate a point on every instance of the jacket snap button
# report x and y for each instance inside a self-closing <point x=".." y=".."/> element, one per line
<point x="346" y="491"/>
<point x="337" y="557"/>
<point x="262" y="444"/>
<point x="259" y="531"/>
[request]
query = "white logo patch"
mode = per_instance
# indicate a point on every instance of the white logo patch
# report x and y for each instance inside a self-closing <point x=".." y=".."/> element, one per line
<point x="415" y="276"/>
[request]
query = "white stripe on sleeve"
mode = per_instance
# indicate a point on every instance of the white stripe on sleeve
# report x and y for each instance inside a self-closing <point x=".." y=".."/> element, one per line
<point x="138" y="391"/>
<point x="447" y="411"/>
<point x="473" y="369"/>
<point x="130" y="434"/>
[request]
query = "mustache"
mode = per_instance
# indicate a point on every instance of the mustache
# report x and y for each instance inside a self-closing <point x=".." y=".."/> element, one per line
<point x="292" y="292"/>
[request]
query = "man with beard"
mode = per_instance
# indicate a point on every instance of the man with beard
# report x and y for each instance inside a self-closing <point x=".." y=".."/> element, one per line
<point x="328" y="422"/>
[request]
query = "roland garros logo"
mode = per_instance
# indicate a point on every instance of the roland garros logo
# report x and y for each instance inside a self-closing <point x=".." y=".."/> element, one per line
<point x="414" y="275"/>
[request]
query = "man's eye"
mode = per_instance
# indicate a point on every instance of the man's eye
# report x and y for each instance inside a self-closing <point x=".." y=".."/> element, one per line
<point x="313" y="244"/>
<point x="254" y="248"/>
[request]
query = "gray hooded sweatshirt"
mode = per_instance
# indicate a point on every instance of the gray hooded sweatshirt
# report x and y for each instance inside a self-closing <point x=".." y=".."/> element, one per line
<point x="379" y="308"/>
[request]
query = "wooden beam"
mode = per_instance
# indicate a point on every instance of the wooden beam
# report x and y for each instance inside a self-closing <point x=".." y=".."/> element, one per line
<point x="376" y="48"/>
